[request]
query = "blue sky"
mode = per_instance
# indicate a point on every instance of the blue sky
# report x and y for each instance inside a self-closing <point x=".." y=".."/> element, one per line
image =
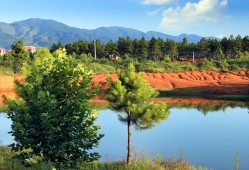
<point x="202" y="17"/>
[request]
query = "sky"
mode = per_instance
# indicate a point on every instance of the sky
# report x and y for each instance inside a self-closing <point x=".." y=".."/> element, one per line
<point x="203" y="17"/>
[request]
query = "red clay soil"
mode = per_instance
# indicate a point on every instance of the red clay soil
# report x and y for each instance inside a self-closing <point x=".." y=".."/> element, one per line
<point x="225" y="83"/>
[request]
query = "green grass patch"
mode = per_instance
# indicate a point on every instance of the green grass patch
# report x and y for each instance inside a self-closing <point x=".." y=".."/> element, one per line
<point x="183" y="92"/>
<point x="144" y="163"/>
<point x="100" y="68"/>
<point x="6" y="71"/>
<point x="234" y="97"/>
<point x="3" y="108"/>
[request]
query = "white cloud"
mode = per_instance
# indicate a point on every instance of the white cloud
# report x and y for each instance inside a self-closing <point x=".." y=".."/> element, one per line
<point x="220" y="36"/>
<point x="192" y="14"/>
<point x="151" y="13"/>
<point x="156" y="2"/>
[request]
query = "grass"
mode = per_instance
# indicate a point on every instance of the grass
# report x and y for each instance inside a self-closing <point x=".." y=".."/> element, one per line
<point x="183" y="92"/>
<point x="145" y="163"/>
<point x="241" y="97"/>
<point x="6" y="71"/>
<point x="3" y="108"/>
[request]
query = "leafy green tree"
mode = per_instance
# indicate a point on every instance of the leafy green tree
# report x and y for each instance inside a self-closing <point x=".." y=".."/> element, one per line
<point x="133" y="95"/>
<point x="19" y="55"/>
<point x="53" y="120"/>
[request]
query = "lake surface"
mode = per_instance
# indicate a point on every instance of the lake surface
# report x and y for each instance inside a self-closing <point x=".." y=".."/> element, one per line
<point x="209" y="140"/>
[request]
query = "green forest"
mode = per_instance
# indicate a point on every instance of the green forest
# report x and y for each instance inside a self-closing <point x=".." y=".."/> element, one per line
<point x="154" y="55"/>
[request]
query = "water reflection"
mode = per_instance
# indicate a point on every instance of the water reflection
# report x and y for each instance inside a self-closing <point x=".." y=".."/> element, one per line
<point x="210" y="140"/>
<point x="205" y="106"/>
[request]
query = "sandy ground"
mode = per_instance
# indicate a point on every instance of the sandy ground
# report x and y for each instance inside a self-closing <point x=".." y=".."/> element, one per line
<point x="225" y="83"/>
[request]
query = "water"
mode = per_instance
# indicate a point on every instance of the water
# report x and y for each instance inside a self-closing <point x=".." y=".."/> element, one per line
<point x="210" y="140"/>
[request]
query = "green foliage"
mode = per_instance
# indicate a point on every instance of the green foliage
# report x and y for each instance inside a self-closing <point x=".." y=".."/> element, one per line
<point x="181" y="156"/>
<point x="240" y="62"/>
<point x="143" y="164"/>
<point x="6" y="70"/>
<point x="167" y="59"/>
<point x="221" y="64"/>
<point x="86" y="57"/>
<point x="205" y="65"/>
<point x="19" y="56"/>
<point x="133" y="95"/>
<point x="206" y="108"/>
<point x="100" y="68"/>
<point x="7" y="61"/>
<point x="150" y="66"/>
<point x="237" y="162"/>
<point x="237" y="97"/>
<point x="53" y="120"/>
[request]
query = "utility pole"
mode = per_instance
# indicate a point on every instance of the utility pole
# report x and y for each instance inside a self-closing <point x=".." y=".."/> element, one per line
<point x="193" y="56"/>
<point x="95" y="53"/>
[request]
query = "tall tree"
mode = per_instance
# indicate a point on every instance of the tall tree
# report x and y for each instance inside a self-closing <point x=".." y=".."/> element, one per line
<point x="245" y="41"/>
<point x="170" y="48"/>
<point x="55" y="47"/>
<point x="53" y="119"/>
<point x="125" y="46"/>
<point x="140" y="49"/>
<point x="111" y="48"/>
<point x="133" y="95"/>
<point x="154" y="49"/>
<point x="19" y="54"/>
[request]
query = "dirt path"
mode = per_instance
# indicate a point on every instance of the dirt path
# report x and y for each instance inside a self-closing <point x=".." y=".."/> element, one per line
<point x="224" y="83"/>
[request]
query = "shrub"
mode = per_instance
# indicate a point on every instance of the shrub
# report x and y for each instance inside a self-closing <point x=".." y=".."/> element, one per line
<point x="100" y="68"/>
<point x="167" y="59"/>
<point x="205" y="65"/>
<point x="221" y="64"/>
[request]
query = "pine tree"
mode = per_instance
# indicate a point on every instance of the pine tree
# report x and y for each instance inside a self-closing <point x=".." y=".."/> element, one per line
<point x="133" y="95"/>
<point x="19" y="55"/>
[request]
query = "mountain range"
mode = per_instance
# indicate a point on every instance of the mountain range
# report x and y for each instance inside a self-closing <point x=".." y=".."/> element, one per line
<point x="44" y="32"/>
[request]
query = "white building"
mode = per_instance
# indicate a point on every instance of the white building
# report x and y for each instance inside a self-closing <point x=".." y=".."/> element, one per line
<point x="30" y="49"/>
<point x="2" y="51"/>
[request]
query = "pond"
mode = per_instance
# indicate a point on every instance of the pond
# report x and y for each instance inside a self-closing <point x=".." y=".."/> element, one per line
<point x="207" y="138"/>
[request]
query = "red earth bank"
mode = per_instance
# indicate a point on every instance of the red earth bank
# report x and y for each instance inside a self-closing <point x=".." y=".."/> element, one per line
<point x="224" y="83"/>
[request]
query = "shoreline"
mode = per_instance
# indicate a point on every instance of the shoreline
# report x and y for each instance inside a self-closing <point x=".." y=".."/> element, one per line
<point x="198" y="84"/>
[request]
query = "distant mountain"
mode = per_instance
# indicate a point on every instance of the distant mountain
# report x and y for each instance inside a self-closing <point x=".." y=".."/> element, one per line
<point x="43" y="33"/>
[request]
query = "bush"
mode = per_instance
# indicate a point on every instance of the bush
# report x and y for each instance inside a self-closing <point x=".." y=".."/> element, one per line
<point x="100" y="68"/>
<point x="186" y="67"/>
<point x="167" y="59"/>
<point x="205" y="65"/>
<point x="150" y="66"/>
<point x="234" y="68"/>
<point x="221" y="64"/>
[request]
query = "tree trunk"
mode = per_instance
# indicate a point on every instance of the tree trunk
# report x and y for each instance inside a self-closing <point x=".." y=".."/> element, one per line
<point x="129" y="154"/>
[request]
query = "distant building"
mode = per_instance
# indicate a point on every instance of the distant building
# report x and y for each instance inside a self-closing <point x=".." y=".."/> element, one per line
<point x="30" y="49"/>
<point x="113" y="57"/>
<point x="2" y="51"/>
